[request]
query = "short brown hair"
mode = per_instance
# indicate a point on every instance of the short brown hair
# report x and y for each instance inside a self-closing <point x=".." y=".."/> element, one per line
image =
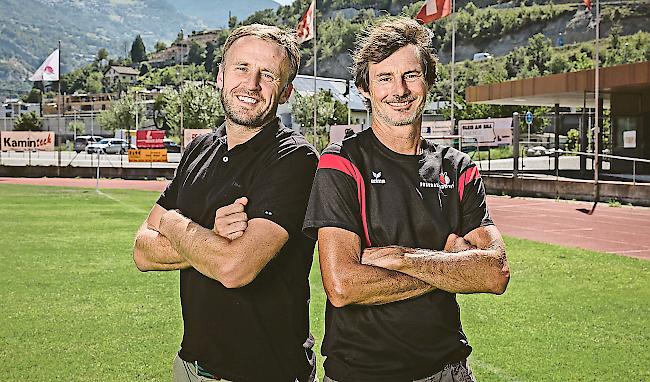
<point x="283" y="38"/>
<point x="386" y="37"/>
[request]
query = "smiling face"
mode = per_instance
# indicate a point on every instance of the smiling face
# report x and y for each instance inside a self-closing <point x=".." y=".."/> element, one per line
<point x="397" y="89"/>
<point x="253" y="80"/>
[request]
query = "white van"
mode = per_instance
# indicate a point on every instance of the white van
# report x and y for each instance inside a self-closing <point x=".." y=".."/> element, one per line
<point x="482" y="56"/>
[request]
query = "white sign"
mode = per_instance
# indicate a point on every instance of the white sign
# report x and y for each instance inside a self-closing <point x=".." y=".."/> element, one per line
<point x="629" y="139"/>
<point x="487" y="132"/>
<point x="189" y="134"/>
<point x="27" y="141"/>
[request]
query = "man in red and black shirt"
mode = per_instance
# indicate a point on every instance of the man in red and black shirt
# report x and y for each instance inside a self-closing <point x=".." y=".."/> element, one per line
<point x="402" y="226"/>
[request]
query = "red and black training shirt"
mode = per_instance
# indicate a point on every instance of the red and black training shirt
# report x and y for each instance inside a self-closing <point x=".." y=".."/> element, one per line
<point x="389" y="198"/>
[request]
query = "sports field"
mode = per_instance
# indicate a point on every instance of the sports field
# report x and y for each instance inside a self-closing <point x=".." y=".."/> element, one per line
<point x="74" y="308"/>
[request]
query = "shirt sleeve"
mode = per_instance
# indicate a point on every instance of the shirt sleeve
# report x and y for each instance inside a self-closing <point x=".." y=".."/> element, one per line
<point x="281" y="190"/>
<point x="168" y="198"/>
<point x="473" y="205"/>
<point x="333" y="201"/>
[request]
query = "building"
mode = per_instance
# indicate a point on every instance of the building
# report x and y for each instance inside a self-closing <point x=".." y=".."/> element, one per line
<point x="623" y="89"/>
<point x="121" y="74"/>
<point x="14" y="107"/>
<point x="304" y="85"/>
<point x="178" y="51"/>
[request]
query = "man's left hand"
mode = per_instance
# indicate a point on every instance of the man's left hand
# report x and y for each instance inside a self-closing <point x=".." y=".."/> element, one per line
<point x="390" y="257"/>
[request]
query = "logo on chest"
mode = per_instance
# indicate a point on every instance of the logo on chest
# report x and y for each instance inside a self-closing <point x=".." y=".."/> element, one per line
<point x="376" y="178"/>
<point x="443" y="182"/>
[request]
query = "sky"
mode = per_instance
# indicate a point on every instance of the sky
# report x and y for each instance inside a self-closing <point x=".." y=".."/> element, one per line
<point x="284" y="2"/>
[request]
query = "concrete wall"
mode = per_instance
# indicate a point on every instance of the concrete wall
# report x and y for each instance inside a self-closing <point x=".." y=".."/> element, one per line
<point x="638" y="194"/>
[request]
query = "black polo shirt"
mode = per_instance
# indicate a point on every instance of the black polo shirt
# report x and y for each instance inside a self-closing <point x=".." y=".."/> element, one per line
<point x="254" y="333"/>
<point x="392" y="199"/>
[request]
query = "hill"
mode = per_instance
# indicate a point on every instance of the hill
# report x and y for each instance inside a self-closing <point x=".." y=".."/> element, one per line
<point x="31" y="29"/>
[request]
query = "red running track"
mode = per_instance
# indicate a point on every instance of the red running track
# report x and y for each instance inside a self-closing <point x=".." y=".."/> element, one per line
<point x="624" y="230"/>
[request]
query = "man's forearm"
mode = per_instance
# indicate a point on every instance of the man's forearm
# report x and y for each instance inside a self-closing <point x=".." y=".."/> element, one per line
<point x="153" y="252"/>
<point x="470" y="271"/>
<point x="370" y="285"/>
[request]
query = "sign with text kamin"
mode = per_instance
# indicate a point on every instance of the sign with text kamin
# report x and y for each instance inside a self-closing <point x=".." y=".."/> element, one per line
<point x="27" y="141"/>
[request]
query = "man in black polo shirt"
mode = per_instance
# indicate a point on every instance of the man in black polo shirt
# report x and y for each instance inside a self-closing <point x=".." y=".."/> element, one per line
<point x="402" y="226"/>
<point x="231" y="221"/>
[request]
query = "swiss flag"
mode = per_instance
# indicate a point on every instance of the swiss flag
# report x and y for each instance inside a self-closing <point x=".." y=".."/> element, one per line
<point x="433" y="10"/>
<point x="305" y="28"/>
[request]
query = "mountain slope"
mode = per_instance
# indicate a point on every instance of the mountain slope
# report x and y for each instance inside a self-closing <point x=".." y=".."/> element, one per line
<point x="215" y="12"/>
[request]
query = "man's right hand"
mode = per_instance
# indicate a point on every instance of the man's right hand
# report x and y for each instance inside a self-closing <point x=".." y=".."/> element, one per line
<point x="457" y="243"/>
<point x="231" y="221"/>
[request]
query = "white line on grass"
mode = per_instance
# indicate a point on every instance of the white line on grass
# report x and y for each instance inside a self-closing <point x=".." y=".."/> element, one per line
<point x="503" y="376"/>
<point x="137" y="209"/>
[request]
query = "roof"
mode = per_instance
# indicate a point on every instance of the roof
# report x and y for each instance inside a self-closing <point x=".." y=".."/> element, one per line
<point x="305" y="86"/>
<point x="573" y="89"/>
<point x="125" y="70"/>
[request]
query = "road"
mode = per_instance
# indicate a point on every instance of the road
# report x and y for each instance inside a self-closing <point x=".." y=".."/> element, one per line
<point x="70" y="158"/>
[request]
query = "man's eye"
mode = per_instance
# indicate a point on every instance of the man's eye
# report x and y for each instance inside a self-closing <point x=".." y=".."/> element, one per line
<point x="241" y="68"/>
<point x="412" y="76"/>
<point x="383" y="79"/>
<point x="268" y="76"/>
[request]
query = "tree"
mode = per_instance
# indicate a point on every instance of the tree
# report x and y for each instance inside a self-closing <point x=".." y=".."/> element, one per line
<point x="34" y="96"/>
<point x="77" y="127"/>
<point x="539" y="53"/>
<point x="102" y="54"/>
<point x="121" y="114"/>
<point x="160" y="45"/>
<point x="559" y="64"/>
<point x="179" y="37"/>
<point x="328" y="113"/>
<point x="94" y="83"/>
<point x="138" y="51"/>
<point x="201" y="108"/>
<point x="194" y="55"/>
<point x="29" y="122"/>
<point x="232" y="22"/>
<point x="209" y="57"/>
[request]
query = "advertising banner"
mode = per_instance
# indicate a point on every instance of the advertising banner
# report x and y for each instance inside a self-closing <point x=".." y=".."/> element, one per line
<point x="492" y="132"/>
<point x="190" y="134"/>
<point x="148" y="155"/>
<point x="27" y="141"/>
<point x="150" y="139"/>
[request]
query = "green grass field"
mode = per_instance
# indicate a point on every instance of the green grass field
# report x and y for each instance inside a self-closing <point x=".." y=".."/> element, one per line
<point x="74" y="308"/>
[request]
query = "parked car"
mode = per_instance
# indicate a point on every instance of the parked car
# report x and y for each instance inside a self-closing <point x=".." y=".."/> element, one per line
<point x="537" y="151"/>
<point x="82" y="141"/>
<point x="109" y="146"/>
<point x="171" y="146"/>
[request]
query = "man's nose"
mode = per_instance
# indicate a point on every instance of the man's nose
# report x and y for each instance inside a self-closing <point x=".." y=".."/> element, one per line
<point x="400" y="88"/>
<point x="252" y="81"/>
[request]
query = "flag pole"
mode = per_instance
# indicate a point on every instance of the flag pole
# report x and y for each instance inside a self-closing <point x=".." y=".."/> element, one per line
<point x="315" y="86"/>
<point x="59" y="107"/>
<point x="596" y="161"/>
<point x="453" y="59"/>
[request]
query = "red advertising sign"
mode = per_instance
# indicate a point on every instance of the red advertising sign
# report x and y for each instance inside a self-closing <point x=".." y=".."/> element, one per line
<point x="149" y="139"/>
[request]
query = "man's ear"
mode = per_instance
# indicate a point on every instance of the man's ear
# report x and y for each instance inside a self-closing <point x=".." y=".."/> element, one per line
<point x="220" y="77"/>
<point x="286" y="93"/>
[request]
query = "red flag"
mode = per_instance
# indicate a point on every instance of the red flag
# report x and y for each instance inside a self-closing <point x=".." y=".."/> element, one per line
<point x="433" y="10"/>
<point x="305" y="28"/>
<point x="588" y="5"/>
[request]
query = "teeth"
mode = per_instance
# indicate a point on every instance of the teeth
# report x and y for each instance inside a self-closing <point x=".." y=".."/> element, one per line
<point x="398" y="104"/>
<point x="247" y="99"/>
